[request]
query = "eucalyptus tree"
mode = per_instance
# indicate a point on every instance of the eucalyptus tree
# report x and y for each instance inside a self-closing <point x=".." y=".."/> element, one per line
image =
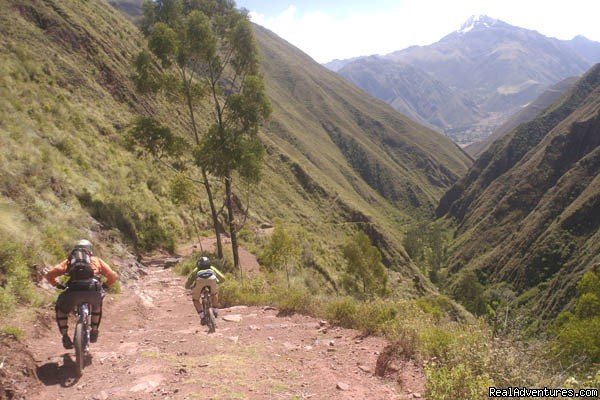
<point x="204" y="51"/>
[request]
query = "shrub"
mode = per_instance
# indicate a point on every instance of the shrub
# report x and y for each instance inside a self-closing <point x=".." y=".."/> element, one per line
<point x="15" y="285"/>
<point x="281" y="251"/>
<point x="293" y="300"/>
<point x="436" y="342"/>
<point x="252" y="291"/>
<point x="470" y="292"/>
<point x="186" y="266"/>
<point x="16" y="333"/>
<point x="145" y="231"/>
<point x="342" y="311"/>
<point x="576" y="334"/>
<point x="377" y="317"/>
<point x="365" y="274"/>
<point x="458" y="382"/>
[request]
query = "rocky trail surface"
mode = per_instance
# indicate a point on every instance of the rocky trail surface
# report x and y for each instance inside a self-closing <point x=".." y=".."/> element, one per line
<point x="152" y="346"/>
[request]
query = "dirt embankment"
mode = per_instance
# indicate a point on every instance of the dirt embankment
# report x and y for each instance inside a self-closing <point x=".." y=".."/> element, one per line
<point x="152" y="346"/>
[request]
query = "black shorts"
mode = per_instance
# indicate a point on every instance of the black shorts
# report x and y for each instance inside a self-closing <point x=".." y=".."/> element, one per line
<point x="78" y="293"/>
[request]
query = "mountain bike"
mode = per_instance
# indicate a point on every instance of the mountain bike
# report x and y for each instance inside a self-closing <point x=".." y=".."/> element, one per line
<point x="209" y="315"/>
<point x="81" y="337"/>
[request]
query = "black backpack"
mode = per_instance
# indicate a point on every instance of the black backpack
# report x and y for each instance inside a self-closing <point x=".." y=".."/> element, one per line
<point x="79" y="265"/>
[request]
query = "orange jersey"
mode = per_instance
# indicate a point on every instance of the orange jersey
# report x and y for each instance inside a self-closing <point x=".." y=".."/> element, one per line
<point x="99" y="267"/>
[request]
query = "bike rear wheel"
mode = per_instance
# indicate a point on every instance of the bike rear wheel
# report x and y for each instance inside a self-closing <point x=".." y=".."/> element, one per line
<point x="79" y="343"/>
<point x="209" y="315"/>
<point x="211" y="321"/>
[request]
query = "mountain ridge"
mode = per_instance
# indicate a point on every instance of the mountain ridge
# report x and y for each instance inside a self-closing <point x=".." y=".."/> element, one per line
<point x="528" y="113"/>
<point x="497" y="66"/>
<point x="527" y="210"/>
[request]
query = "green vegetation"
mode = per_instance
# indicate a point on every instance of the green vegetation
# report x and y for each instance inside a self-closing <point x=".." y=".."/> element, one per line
<point x="13" y="331"/>
<point x="281" y="251"/>
<point x="15" y="275"/>
<point x="427" y="245"/>
<point x="65" y="99"/>
<point x="577" y="338"/>
<point x="462" y="356"/>
<point x="527" y="214"/>
<point x="365" y="274"/>
<point x="209" y="50"/>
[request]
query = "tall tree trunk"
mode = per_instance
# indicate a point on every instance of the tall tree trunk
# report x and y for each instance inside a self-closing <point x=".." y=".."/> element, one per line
<point x="213" y="209"/>
<point x="197" y="230"/>
<point x="232" y="230"/>
<point x="213" y="212"/>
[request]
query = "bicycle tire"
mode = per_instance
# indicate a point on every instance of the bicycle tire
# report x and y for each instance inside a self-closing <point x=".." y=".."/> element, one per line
<point x="208" y="312"/>
<point x="79" y="348"/>
<point x="211" y="321"/>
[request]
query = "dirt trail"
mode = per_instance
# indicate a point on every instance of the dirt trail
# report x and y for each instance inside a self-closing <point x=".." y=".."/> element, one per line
<point x="152" y="346"/>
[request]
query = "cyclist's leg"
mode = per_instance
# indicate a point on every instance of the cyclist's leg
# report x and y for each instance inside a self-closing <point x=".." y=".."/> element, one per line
<point x="197" y="305"/>
<point x="196" y="291"/>
<point x="64" y="305"/>
<point x="94" y="298"/>
<point x="214" y="296"/>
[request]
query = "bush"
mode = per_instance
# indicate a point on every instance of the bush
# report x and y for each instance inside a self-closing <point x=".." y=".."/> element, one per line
<point x="15" y="285"/>
<point x="185" y="267"/>
<point x="252" y="291"/>
<point x="295" y="300"/>
<point x="378" y="317"/>
<point x="342" y="311"/>
<point x="144" y="230"/>
<point x="436" y="342"/>
<point x="16" y="333"/>
<point x="458" y="382"/>
<point x="576" y="334"/>
<point x="365" y="274"/>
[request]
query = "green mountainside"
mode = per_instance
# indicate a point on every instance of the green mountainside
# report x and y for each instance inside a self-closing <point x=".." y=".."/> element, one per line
<point x="336" y="161"/>
<point x="529" y="208"/>
<point x="531" y="111"/>
<point x="411" y="91"/>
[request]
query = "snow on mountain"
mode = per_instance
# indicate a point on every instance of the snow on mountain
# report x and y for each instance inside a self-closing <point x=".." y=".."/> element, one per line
<point x="477" y="21"/>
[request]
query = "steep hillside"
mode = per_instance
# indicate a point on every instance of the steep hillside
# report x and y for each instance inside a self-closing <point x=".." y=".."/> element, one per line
<point x="529" y="208"/>
<point x="353" y="153"/>
<point x="531" y="111"/>
<point x="337" y="160"/>
<point x="65" y="102"/>
<point x="497" y="66"/>
<point x="412" y="92"/>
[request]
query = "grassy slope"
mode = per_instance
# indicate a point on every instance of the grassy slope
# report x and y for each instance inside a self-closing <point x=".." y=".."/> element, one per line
<point x="67" y="100"/>
<point x="325" y="125"/>
<point x="528" y="208"/>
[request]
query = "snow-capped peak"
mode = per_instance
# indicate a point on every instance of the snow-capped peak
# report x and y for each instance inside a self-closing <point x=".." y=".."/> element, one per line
<point x="477" y="21"/>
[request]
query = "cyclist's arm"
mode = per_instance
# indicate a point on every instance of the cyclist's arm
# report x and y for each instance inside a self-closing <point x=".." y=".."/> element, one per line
<point x="191" y="278"/>
<point x="219" y="274"/>
<point x="107" y="271"/>
<point x="55" y="272"/>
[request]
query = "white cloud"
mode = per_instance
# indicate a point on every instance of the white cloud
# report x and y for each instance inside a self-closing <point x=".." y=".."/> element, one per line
<point x="325" y="37"/>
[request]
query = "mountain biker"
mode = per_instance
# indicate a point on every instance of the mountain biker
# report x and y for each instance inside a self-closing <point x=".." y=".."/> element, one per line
<point x="82" y="287"/>
<point x="204" y="275"/>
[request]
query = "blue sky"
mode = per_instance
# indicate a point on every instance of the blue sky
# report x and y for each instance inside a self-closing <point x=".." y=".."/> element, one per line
<point x="333" y="7"/>
<point x="329" y="29"/>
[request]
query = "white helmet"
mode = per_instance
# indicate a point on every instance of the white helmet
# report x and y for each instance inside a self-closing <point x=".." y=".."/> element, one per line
<point x="85" y="244"/>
